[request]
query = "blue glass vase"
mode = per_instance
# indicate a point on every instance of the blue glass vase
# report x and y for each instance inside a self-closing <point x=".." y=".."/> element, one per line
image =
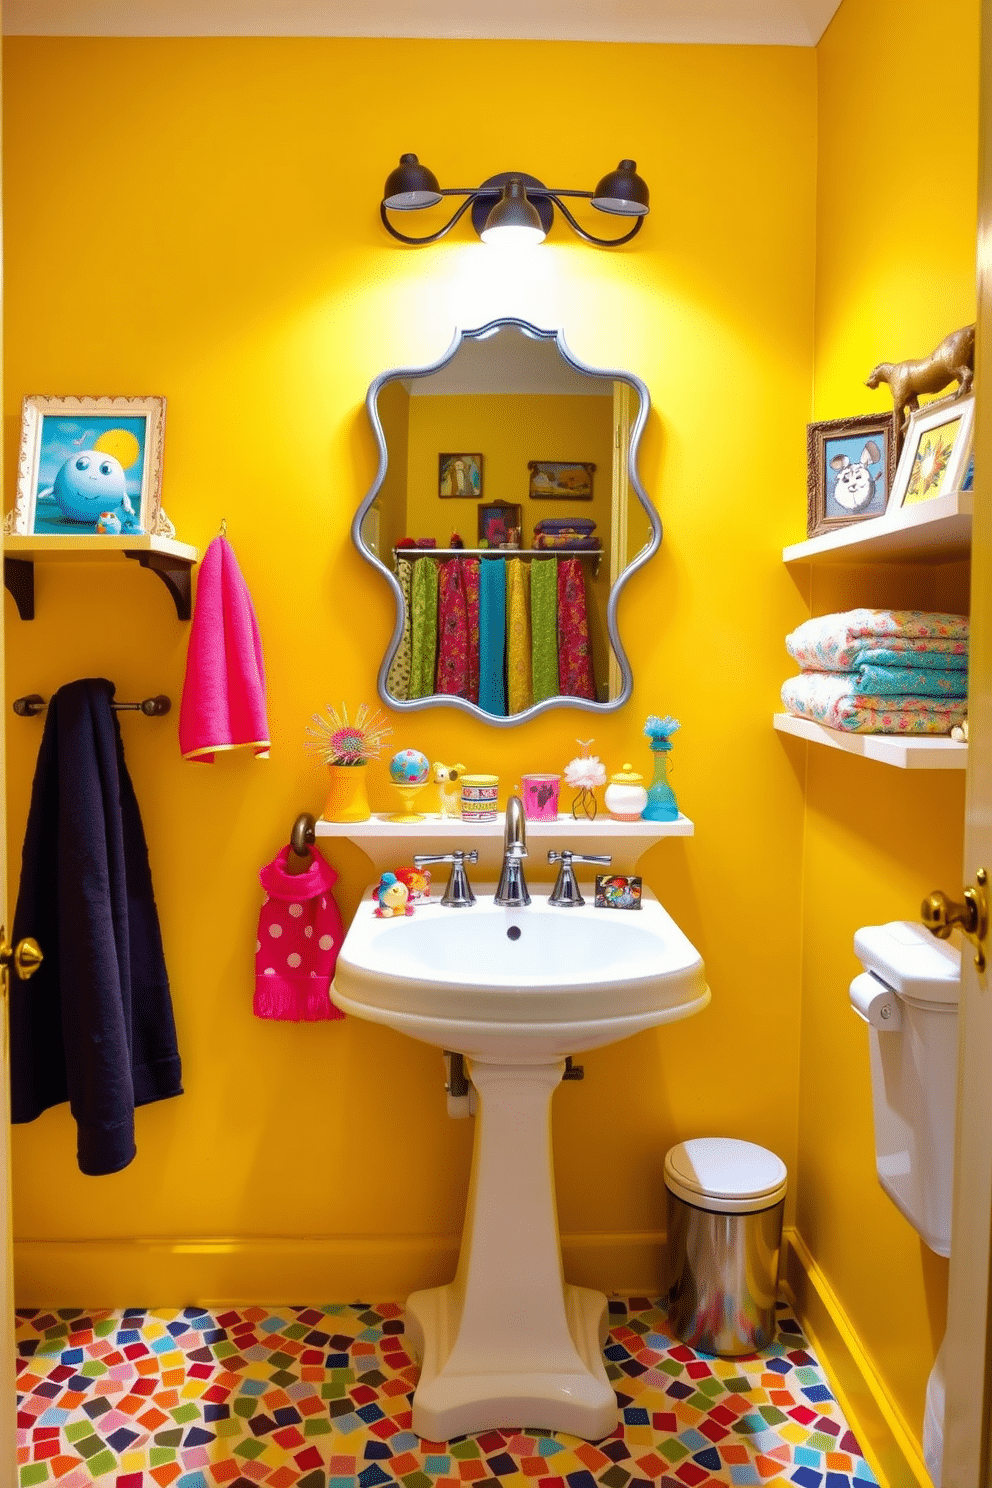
<point x="662" y="805"/>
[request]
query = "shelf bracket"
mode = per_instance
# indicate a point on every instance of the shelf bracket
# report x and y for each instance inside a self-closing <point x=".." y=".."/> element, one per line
<point x="18" y="577"/>
<point x="174" y="573"/>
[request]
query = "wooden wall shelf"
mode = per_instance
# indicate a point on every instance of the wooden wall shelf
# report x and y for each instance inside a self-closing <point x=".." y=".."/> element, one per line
<point x="171" y="560"/>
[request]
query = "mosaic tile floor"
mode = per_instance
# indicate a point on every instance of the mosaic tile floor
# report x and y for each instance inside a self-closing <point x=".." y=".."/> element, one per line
<point x="319" y="1397"/>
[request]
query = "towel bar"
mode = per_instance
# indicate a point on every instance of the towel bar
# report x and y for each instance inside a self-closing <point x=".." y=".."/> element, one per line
<point x="153" y="707"/>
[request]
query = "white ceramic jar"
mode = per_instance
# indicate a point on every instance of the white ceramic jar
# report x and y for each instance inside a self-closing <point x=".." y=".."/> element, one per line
<point x="625" y="795"/>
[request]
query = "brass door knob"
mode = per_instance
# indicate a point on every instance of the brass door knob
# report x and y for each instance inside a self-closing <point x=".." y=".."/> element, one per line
<point x="26" y="956"/>
<point x="942" y="915"/>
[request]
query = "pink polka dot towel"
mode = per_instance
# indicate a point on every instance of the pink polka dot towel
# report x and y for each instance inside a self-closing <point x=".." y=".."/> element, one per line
<point x="299" y="935"/>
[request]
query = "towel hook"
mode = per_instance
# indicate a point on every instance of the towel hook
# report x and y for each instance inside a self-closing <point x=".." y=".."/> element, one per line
<point x="303" y="835"/>
<point x="223" y="527"/>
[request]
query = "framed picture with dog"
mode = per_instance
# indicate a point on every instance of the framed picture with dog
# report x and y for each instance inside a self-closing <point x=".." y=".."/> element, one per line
<point x="850" y="469"/>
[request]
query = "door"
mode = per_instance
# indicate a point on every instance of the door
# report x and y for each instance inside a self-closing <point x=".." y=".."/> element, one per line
<point x="968" y="1374"/>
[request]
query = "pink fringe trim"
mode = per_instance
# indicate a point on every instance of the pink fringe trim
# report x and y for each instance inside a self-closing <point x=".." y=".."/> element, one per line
<point x="288" y="1004"/>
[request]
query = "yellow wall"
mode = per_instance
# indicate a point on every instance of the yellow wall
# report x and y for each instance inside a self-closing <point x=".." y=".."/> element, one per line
<point x="508" y="430"/>
<point x="895" y="272"/>
<point x="208" y="245"/>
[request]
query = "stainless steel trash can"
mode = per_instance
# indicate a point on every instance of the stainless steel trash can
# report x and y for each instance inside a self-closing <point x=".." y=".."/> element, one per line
<point x="725" y="1200"/>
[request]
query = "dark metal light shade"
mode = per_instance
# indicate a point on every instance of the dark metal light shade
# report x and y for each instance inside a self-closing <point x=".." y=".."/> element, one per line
<point x="513" y="216"/>
<point x="622" y="192"/>
<point x="411" y="186"/>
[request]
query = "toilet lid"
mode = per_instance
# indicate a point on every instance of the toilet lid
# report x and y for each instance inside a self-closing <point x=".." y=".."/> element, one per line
<point x="724" y="1175"/>
<point x="907" y="958"/>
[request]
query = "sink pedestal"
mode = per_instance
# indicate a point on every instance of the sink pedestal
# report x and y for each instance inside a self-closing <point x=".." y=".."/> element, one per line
<point x="507" y="1343"/>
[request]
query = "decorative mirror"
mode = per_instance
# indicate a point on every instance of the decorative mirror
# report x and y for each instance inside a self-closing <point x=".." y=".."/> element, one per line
<point x="506" y="516"/>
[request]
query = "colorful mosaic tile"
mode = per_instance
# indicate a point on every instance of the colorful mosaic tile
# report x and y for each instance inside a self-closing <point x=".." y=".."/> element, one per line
<point x="320" y="1397"/>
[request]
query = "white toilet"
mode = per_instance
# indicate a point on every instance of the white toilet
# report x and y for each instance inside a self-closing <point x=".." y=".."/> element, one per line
<point x="908" y="995"/>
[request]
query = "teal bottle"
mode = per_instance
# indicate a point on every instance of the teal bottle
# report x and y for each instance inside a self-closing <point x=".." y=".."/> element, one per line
<point x="662" y="805"/>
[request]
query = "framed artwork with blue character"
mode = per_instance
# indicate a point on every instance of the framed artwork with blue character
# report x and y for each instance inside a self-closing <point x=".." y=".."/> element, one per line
<point x="90" y="467"/>
<point x="850" y="467"/>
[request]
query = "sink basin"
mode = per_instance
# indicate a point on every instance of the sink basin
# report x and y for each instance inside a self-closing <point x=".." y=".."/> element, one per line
<point x="526" y="984"/>
<point x="508" y="1343"/>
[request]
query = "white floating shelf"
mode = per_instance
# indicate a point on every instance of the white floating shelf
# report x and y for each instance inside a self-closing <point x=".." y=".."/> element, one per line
<point x="433" y="829"/>
<point x="929" y="531"/>
<point x="923" y="752"/>
<point x="389" y="842"/>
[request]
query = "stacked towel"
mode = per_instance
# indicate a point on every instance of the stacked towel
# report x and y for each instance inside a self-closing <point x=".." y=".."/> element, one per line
<point x="880" y="671"/>
<point x="567" y="532"/>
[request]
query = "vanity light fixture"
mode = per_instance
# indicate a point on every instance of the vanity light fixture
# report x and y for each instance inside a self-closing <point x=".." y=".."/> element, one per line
<point x="512" y="206"/>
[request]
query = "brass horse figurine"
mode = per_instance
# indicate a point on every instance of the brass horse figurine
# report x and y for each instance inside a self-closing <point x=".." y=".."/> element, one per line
<point x="953" y="360"/>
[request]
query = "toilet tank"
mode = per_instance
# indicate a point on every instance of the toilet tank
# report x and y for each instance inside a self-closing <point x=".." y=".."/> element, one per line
<point x="913" y="1042"/>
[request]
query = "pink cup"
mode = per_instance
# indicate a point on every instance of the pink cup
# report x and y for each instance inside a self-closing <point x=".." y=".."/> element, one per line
<point x="540" y="794"/>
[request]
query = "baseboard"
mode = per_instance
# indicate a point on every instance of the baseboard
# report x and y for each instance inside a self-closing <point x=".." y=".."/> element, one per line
<point x="165" y="1272"/>
<point x="890" y="1445"/>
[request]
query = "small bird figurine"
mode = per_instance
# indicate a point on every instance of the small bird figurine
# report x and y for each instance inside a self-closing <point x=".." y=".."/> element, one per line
<point x="455" y="541"/>
<point x="446" y="778"/>
<point x="392" y="897"/>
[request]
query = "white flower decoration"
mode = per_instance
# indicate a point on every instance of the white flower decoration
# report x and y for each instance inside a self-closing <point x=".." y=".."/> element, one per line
<point x="585" y="773"/>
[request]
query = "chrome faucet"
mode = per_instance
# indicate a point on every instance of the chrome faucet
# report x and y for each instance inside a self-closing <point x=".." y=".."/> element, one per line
<point x="511" y="890"/>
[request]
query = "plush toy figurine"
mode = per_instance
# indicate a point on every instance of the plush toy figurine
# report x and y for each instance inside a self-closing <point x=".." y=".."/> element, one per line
<point x="392" y="897"/>
<point x="446" y="778"/>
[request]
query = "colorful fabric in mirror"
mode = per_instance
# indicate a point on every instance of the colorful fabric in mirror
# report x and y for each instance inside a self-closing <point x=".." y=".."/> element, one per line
<point x="452" y="631"/>
<point x="423" y="628"/>
<point x="575" y="677"/>
<point x="501" y="632"/>
<point x="398" y="680"/>
<point x="520" y="691"/>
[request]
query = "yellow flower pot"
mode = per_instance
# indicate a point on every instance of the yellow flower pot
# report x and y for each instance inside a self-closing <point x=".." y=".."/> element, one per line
<point x="347" y="798"/>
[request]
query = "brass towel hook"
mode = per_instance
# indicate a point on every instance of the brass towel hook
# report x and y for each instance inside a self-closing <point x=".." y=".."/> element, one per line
<point x="301" y="839"/>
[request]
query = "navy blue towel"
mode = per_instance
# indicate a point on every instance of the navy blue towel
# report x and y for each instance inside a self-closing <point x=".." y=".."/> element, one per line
<point x="94" y="1025"/>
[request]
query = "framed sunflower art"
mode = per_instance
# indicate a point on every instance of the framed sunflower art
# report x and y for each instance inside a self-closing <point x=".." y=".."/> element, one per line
<point x="935" y="453"/>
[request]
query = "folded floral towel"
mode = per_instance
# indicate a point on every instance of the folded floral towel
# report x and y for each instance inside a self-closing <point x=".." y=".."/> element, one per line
<point x="834" y="643"/>
<point x="938" y="655"/>
<point x="575" y="540"/>
<point x="583" y="525"/>
<point x="889" y="681"/>
<point x="833" y="700"/>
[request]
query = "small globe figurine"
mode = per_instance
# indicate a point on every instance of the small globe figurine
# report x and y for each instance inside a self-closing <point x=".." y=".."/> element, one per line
<point x="409" y="767"/>
<point x="409" y="771"/>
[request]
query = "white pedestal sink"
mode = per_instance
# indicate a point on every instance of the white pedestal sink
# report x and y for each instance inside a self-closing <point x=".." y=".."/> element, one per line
<point x="508" y="1342"/>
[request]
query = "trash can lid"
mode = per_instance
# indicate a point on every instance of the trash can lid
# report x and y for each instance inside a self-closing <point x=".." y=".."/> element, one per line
<point x="725" y="1176"/>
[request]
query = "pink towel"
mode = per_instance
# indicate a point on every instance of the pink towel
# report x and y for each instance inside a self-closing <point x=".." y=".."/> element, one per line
<point x="223" y="704"/>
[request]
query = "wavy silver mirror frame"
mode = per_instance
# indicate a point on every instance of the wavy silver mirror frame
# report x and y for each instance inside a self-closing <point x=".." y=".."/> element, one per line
<point x="482" y="333"/>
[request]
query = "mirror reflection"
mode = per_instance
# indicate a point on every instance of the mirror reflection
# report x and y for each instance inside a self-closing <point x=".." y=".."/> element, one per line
<point x="506" y="515"/>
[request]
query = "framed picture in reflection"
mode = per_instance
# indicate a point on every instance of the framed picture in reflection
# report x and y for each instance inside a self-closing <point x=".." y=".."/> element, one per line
<point x="459" y="475"/>
<point x="499" y="524"/>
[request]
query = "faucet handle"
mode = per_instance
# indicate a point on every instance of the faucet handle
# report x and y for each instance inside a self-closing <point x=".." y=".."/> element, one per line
<point x="458" y="894"/>
<point x="566" y="892"/>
